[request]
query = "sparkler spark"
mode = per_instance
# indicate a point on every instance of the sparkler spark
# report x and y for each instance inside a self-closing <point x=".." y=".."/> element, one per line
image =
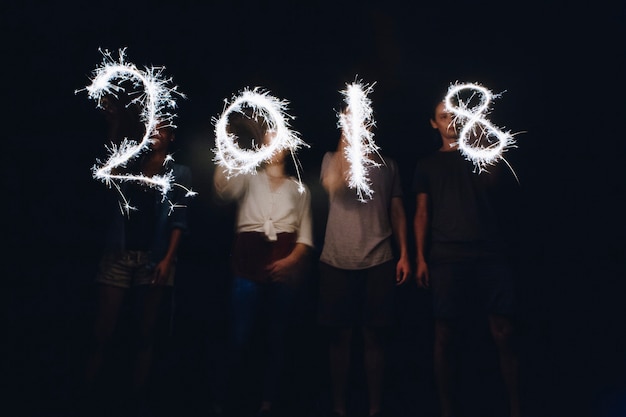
<point x="479" y="140"/>
<point x="274" y="111"/>
<point x="356" y="124"/>
<point x="155" y="101"/>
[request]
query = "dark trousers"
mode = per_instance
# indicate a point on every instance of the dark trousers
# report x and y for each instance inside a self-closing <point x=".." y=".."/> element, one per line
<point x="265" y="306"/>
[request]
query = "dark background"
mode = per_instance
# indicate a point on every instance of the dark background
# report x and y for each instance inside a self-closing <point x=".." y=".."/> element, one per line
<point x="560" y="68"/>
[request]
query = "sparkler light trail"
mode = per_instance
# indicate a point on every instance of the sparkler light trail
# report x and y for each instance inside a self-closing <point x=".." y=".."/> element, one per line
<point x="479" y="140"/>
<point x="356" y="125"/>
<point x="155" y="101"/>
<point x="274" y="111"/>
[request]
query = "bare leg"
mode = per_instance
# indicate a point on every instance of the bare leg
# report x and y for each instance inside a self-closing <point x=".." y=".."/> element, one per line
<point x="443" y="365"/>
<point x="148" y="303"/>
<point x="340" y="349"/>
<point x="502" y="332"/>
<point x="374" y="366"/>
<point x="266" y="405"/>
<point x="109" y="301"/>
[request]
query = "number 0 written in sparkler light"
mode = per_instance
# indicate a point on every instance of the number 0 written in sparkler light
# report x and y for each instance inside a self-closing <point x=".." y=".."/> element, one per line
<point x="274" y="112"/>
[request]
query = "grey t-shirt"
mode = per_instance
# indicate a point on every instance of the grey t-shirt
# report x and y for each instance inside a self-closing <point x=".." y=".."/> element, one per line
<point x="358" y="234"/>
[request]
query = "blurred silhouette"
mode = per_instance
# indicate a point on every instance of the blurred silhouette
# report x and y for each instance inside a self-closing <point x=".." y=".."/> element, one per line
<point x="269" y="259"/>
<point x="137" y="268"/>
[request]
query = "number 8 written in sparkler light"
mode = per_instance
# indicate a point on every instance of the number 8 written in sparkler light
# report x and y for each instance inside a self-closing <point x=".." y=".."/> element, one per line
<point x="274" y="112"/>
<point x="156" y="99"/>
<point x="479" y="140"/>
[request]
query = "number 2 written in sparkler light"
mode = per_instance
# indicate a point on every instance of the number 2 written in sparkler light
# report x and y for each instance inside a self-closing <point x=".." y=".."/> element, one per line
<point x="156" y="98"/>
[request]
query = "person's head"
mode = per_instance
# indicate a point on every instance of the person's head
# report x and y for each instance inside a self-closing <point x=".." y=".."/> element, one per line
<point x="279" y="156"/>
<point x="252" y="131"/>
<point x="248" y="128"/>
<point x="122" y="114"/>
<point x="343" y="110"/>
<point x="162" y="137"/>
<point x="443" y="121"/>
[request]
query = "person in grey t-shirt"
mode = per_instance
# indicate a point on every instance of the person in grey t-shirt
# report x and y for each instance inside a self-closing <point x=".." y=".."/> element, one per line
<point x="359" y="268"/>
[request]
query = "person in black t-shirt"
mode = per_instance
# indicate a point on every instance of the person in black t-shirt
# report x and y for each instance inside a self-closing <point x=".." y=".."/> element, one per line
<point x="460" y="248"/>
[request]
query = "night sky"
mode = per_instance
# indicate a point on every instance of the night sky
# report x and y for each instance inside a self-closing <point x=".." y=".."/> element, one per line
<point x="560" y="70"/>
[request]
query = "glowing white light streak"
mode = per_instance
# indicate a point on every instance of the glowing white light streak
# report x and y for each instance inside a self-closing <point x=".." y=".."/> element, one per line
<point x="356" y="124"/>
<point x="274" y="111"/>
<point x="174" y="206"/>
<point x="479" y="140"/>
<point x="156" y="99"/>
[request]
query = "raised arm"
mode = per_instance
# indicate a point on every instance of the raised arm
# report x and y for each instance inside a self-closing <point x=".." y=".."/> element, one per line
<point x="228" y="187"/>
<point x="334" y="169"/>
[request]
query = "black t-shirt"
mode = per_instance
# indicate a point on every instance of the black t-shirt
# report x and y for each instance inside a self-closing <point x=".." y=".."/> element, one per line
<point x="463" y="210"/>
<point x="140" y="223"/>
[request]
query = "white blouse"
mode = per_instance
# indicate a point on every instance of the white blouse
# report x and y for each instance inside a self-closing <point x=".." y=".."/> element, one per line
<point x="283" y="210"/>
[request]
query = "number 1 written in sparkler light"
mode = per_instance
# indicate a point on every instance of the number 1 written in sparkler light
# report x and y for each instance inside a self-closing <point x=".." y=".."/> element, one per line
<point x="356" y="124"/>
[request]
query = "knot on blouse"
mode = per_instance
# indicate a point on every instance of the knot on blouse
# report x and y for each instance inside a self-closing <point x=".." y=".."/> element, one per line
<point x="269" y="230"/>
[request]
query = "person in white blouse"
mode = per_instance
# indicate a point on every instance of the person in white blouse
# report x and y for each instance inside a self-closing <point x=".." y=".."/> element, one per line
<point x="270" y="254"/>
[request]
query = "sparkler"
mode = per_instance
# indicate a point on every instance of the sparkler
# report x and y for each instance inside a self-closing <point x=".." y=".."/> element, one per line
<point x="274" y="111"/>
<point x="356" y="124"/>
<point x="155" y="101"/>
<point x="479" y="140"/>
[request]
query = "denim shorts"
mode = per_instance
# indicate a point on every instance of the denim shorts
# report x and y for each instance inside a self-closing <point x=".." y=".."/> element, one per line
<point x="129" y="268"/>
<point x="351" y="297"/>
<point x="482" y="283"/>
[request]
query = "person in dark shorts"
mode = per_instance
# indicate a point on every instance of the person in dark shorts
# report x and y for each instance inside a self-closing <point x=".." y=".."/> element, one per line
<point x="359" y="271"/>
<point x="138" y="264"/>
<point x="461" y="251"/>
